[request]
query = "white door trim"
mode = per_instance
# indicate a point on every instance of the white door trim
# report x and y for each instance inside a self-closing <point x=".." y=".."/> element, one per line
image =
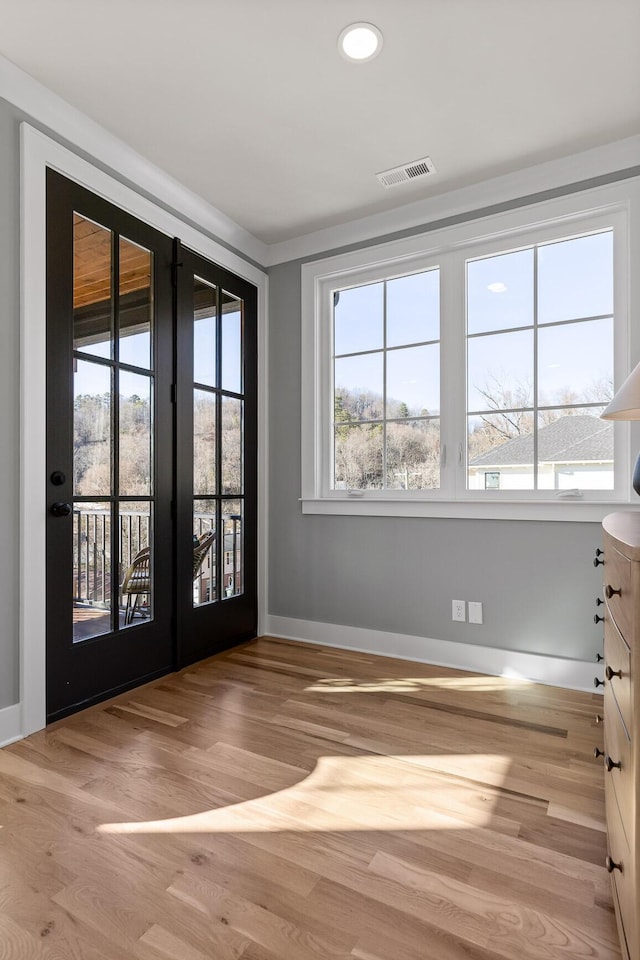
<point x="37" y="153"/>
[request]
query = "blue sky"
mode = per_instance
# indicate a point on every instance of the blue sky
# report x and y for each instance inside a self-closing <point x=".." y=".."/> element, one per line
<point x="574" y="280"/>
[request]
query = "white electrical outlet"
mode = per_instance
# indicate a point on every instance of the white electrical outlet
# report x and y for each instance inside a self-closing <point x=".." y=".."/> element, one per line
<point x="475" y="611"/>
<point x="458" y="610"/>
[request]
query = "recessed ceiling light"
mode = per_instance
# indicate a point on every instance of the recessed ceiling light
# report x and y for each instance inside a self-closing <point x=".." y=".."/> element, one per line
<point x="497" y="287"/>
<point x="360" y="42"/>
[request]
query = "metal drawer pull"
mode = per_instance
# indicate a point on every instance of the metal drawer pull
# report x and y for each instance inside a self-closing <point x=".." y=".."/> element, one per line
<point x="610" y="674"/>
<point x="597" y="562"/>
<point x="597" y="682"/>
<point x="611" y="865"/>
<point x="599" y="657"/>
<point x="597" y="619"/>
<point x="610" y="764"/>
<point x="597" y="752"/>
<point x="610" y="592"/>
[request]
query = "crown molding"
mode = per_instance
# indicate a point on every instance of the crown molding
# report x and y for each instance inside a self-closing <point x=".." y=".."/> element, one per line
<point x="66" y="122"/>
<point x="528" y="185"/>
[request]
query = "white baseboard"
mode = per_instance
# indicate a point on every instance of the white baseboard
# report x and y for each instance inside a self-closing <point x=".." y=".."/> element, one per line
<point x="10" y="724"/>
<point x="556" y="671"/>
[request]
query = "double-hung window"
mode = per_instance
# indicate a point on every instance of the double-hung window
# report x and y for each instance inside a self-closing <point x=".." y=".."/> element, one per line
<point x="463" y="372"/>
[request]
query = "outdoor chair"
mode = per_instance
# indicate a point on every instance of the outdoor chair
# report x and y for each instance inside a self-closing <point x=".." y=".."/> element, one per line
<point x="136" y="582"/>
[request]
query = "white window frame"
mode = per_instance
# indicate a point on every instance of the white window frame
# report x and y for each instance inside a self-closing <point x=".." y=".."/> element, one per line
<point x="616" y="206"/>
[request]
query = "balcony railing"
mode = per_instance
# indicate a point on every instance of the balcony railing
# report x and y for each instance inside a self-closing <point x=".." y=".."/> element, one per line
<point x="92" y="554"/>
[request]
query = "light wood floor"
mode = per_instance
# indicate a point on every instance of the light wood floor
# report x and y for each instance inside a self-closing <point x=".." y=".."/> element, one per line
<point x="288" y="802"/>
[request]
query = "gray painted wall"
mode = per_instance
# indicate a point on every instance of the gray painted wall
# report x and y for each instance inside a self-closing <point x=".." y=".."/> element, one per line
<point x="536" y="580"/>
<point x="9" y="404"/>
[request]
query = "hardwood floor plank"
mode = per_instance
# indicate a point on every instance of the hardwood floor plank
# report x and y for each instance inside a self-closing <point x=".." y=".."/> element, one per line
<point x="284" y="801"/>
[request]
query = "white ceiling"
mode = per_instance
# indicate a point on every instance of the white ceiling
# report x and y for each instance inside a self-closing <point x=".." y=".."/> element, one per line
<point x="248" y="103"/>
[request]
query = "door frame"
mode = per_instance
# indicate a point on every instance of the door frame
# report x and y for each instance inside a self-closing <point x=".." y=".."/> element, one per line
<point x="36" y="154"/>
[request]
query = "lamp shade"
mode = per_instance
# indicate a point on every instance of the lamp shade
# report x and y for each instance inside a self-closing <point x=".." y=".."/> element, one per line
<point x="626" y="403"/>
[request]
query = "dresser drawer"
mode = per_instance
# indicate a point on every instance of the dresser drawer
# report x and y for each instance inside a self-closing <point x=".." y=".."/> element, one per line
<point x="619" y="781"/>
<point x="622" y="880"/>
<point x="617" y="658"/>
<point x="617" y="577"/>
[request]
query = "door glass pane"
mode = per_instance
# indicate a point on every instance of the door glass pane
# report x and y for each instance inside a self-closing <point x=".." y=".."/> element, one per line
<point x="413" y="381"/>
<point x="231" y="445"/>
<point x="135" y="434"/>
<point x="413" y="309"/>
<point x="231" y="343"/>
<point x="135" y="312"/>
<point x="91" y="570"/>
<point x="92" y="474"/>
<point x="358" y="319"/>
<point x="204" y="442"/>
<point x="92" y="288"/>
<point x="135" y="562"/>
<point x="575" y="278"/>
<point x="204" y="552"/>
<point x="500" y="292"/>
<point x="575" y="450"/>
<point x="500" y="451"/>
<point x="232" y="553"/>
<point x="413" y="455"/>
<point x="204" y="332"/>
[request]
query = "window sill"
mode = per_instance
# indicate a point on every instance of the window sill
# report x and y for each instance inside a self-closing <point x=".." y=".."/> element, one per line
<point x="582" y="511"/>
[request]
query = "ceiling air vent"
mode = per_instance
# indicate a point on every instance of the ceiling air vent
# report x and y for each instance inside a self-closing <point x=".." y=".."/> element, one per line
<point x="415" y="170"/>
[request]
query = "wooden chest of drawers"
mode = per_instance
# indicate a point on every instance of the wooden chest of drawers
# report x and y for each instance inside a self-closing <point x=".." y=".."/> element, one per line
<point x="621" y="730"/>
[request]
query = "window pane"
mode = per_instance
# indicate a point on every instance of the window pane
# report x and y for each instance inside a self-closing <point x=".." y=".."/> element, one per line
<point x="232" y="553"/>
<point x="92" y="292"/>
<point x="500" y="371"/>
<point x="413" y="381"/>
<point x="136" y="563"/>
<point x="501" y="443"/>
<point x="413" y="455"/>
<point x="231" y="445"/>
<point x="500" y="292"/>
<point x="231" y="343"/>
<point x="91" y="570"/>
<point x="359" y="457"/>
<point x="413" y="309"/>
<point x="204" y="332"/>
<point x="204" y="442"/>
<point x="358" y="319"/>
<point x="575" y="450"/>
<point x="136" y="417"/>
<point x="135" y="311"/>
<point x="204" y="552"/>
<point x="358" y="387"/>
<point x="575" y="278"/>
<point x="92" y="474"/>
<point x="575" y="363"/>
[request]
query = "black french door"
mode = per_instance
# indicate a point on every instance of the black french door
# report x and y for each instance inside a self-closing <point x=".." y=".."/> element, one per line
<point x="151" y="497"/>
<point x="216" y="456"/>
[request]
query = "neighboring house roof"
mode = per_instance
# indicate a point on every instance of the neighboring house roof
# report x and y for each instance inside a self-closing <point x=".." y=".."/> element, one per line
<point x="566" y="440"/>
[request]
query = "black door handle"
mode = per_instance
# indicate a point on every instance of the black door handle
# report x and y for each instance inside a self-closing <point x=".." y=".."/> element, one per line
<point x="60" y="509"/>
